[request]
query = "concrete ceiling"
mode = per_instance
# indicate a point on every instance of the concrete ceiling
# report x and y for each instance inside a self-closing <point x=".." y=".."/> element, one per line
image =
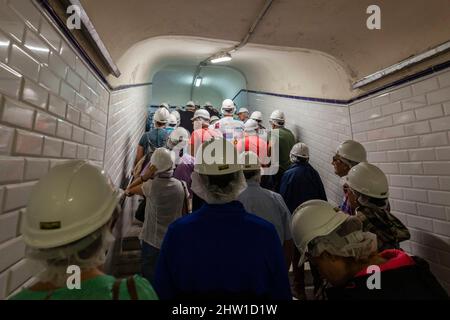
<point x="336" y="29"/>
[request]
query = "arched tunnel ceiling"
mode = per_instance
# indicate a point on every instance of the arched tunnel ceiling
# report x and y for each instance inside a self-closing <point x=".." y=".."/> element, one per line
<point x="286" y="70"/>
<point x="336" y="28"/>
<point x="172" y="84"/>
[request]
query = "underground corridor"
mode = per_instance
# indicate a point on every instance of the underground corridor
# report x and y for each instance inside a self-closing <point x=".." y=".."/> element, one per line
<point x="106" y="107"/>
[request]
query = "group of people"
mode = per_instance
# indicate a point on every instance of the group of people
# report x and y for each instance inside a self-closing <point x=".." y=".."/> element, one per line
<point x="228" y="207"/>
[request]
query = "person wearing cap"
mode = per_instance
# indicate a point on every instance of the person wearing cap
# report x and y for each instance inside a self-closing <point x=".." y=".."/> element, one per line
<point x="202" y="132"/>
<point x="253" y="142"/>
<point x="186" y="116"/>
<point x="232" y="130"/>
<point x="221" y="251"/>
<point x="347" y="257"/>
<point x="165" y="105"/>
<point x="166" y="201"/>
<point x="213" y="112"/>
<point x="243" y="114"/>
<point x="280" y="142"/>
<point x="156" y="138"/>
<point x="265" y="203"/>
<point x="368" y="192"/>
<point x="172" y="123"/>
<point x="348" y="154"/>
<point x="177" y="116"/>
<point x="257" y="116"/>
<point x="184" y="163"/>
<point x="213" y="121"/>
<point x="69" y="220"/>
<point x="300" y="183"/>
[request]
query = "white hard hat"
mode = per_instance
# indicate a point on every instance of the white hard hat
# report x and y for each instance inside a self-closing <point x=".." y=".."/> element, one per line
<point x="164" y="105"/>
<point x="176" y="114"/>
<point x="277" y="115"/>
<point x="369" y="180"/>
<point x="161" y="115"/>
<point x="242" y="110"/>
<point x="217" y="157"/>
<point x="190" y="104"/>
<point x="250" y="161"/>
<point x="201" y="113"/>
<point x="72" y="201"/>
<point x="312" y="219"/>
<point x="353" y="151"/>
<point x="178" y="137"/>
<point x="228" y="106"/>
<point x="251" y="125"/>
<point x="214" y="118"/>
<point x="208" y="104"/>
<point x="256" y="115"/>
<point x="300" y="150"/>
<point x="163" y="159"/>
<point x="172" y="121"/>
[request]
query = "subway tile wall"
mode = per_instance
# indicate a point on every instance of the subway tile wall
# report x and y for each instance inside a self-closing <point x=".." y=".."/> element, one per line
<point x="126" y="124"/>
<point x="321" y="126"/>
<point x="406" y="132"/>
<point x="52" y="108"/>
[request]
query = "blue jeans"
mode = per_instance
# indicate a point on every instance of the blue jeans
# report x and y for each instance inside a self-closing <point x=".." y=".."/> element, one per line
<point x="149" y="257"/>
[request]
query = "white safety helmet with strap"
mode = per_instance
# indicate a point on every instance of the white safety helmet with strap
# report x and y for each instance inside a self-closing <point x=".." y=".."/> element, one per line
<point x="368" y="180"/>
<point x="242" y="110"/>
<point x="165" y="105"/>
<point x="228" y="107"/>
<point x="250" y="161"/>
<point x="217" y="157"/>
<point x="352" y="150"/>
<point x="277" y="117"/>
<point x="256" y="115"/>
<point x="172" y="121"/>
<point x="251" y="125"/>
<point x="177" y="116"/>
<point x="178" y="138"/>
<point x="163" y="159"/>
<point x="299" y="150"/>
<point x="190" y="104"/>
<point x="312" y="219"/>
<point x="202" y="114"/>
<point x="214" y="118"/>
<point x="161" y="115"/>
<point x="72" y="201"/>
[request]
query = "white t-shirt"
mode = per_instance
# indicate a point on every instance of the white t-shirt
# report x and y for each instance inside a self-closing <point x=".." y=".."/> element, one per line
<point x="164" y="204"/>
<point x="230" y="128"/>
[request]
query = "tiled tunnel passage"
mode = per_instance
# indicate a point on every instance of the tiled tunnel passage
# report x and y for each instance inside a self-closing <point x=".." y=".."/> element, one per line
<point x="62" y="99"/>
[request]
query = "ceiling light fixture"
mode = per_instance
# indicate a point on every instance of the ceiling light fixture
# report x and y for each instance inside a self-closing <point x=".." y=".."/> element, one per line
<point x="223" y="57"/>
<point x="198" y="81"/>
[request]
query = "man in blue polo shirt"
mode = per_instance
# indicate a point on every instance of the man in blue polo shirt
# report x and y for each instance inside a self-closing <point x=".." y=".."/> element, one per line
<point x="300" y="183"/>
<point x="221" y="250"/>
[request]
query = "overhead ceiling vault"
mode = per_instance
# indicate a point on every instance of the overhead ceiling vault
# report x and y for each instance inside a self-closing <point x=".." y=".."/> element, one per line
<point x="313" y="48"/>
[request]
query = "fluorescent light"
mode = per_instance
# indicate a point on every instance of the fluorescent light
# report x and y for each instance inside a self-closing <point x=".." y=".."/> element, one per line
<point x="221" y="58"/>
<point x="198" y="81"/>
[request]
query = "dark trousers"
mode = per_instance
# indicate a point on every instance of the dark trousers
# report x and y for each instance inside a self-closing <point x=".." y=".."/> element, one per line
<point x="149" y="257"/>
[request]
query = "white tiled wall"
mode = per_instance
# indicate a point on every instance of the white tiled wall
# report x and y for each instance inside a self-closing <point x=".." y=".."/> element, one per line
<point x="407" y="134"/>
<point x="51" y="109"/>
<point x="126" y="124"/>
<point x="406" y="131"/>
<point x="321" y="126"/>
